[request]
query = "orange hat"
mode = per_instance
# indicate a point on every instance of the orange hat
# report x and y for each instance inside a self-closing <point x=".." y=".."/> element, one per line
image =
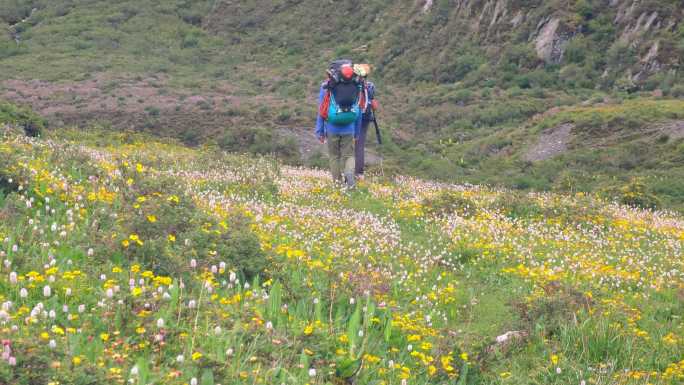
<point x="347" y="72"/>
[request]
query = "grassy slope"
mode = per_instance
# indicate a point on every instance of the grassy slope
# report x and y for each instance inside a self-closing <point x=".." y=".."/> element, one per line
<point x="477" y="91"/>
<point x="440" y="270"/>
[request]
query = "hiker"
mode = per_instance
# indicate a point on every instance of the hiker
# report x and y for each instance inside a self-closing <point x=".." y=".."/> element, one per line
<point x="340" y="106"/>
<point x="368" y="116"/>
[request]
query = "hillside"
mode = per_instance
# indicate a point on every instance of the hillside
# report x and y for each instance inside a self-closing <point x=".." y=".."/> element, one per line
<point x="133" y="260"/>
<point x="464" y="84"/>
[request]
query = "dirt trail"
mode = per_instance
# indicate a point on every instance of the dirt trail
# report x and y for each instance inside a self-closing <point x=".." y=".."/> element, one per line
<point x="552" y="142"/>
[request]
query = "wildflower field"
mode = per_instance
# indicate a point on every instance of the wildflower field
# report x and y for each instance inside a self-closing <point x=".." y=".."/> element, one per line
<point x="127" y="259"/>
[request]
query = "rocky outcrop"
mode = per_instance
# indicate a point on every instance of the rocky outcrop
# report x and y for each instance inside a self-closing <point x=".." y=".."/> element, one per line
<point x="427" y="6"/>
<point x="642" y="25"/>
<point x="493" y="12"/>
<point x="551" y="40"/>
<point x="517" y="19"/>
<point x="649" y="64"/>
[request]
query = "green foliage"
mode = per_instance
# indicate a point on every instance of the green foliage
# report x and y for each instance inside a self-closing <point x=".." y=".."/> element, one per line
<point x="584" y="8"/>
<point x="432" y="86"/>
<point x="635" y="194"/>
<point x="327" y="314"/>
<point x="32" y="124"/>
<point x="450" y="202"/>
<point x="260" y="141"/>
<point x="13" y="11"/>
<point x="518" y="205"/>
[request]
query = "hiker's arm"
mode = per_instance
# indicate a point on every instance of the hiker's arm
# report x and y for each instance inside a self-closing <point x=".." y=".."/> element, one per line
<point x="372" y="101"/>
<point x="320" y="126"/>
<point x="371" y="91"/>
<point x="371" y="96"/>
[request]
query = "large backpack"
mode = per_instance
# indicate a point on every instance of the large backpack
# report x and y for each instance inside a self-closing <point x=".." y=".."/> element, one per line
<point x="344" y="99"/>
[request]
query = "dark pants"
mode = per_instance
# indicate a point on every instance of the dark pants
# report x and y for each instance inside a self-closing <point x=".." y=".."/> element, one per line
<point x="361" y="148"/>
<point x="341" y="150"/>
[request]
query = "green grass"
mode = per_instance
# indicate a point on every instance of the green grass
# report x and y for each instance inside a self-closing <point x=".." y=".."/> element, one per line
<point x="400" y="271"/>
<point x="459" y="110"/>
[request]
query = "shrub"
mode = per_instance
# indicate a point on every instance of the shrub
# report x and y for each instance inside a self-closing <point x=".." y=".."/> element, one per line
<point x="584" y="8"/>
<point x="576" y="50"/>
<point x="620" y="55"/>
<point x="635" y="194"/>
<point x="32" y="124"/>
<point x="450" y="202"/>
<point x="677" y="91"/>
<point x="260" y="141"/>
<point x="517" y="205"/>
<point x="172" y="229"/>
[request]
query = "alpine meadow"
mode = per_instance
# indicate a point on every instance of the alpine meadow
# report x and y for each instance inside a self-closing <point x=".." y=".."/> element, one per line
<point x="484" y="192"/>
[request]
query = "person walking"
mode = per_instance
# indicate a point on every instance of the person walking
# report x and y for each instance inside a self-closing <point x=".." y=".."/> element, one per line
<point x="368" y="116"/>
<point x="338" y="123"/>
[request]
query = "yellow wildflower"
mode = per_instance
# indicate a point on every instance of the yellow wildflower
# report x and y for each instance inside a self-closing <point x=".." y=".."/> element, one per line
<point x="371" y="358"/>
<point x="135" y="238"/>
<point x="554" y="359"/>
<point x="308" y="329"/>
<point x="446" y="363"/>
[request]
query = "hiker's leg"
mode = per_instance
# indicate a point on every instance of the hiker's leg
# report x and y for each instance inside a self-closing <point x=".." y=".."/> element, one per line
<point x="360" y="148"/>
<point x="334" y="154"/>
<point x="347" y="156"/>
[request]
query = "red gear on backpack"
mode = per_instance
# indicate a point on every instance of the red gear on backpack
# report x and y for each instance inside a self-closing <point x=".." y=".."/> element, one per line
<point x="347" y="72"/>
<point x="325" y="105"/>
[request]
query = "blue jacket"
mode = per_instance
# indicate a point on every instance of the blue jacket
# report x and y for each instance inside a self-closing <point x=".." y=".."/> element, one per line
<point x="324" y="128"/>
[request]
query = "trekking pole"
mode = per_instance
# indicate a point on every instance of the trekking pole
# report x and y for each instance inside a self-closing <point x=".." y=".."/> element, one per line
<point x="379" y="137"/>
<point x="377" y="130"/>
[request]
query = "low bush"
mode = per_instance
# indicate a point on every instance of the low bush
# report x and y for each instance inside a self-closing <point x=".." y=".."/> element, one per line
<point x="450" y="202"/>
<point x="32" y="124"/>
